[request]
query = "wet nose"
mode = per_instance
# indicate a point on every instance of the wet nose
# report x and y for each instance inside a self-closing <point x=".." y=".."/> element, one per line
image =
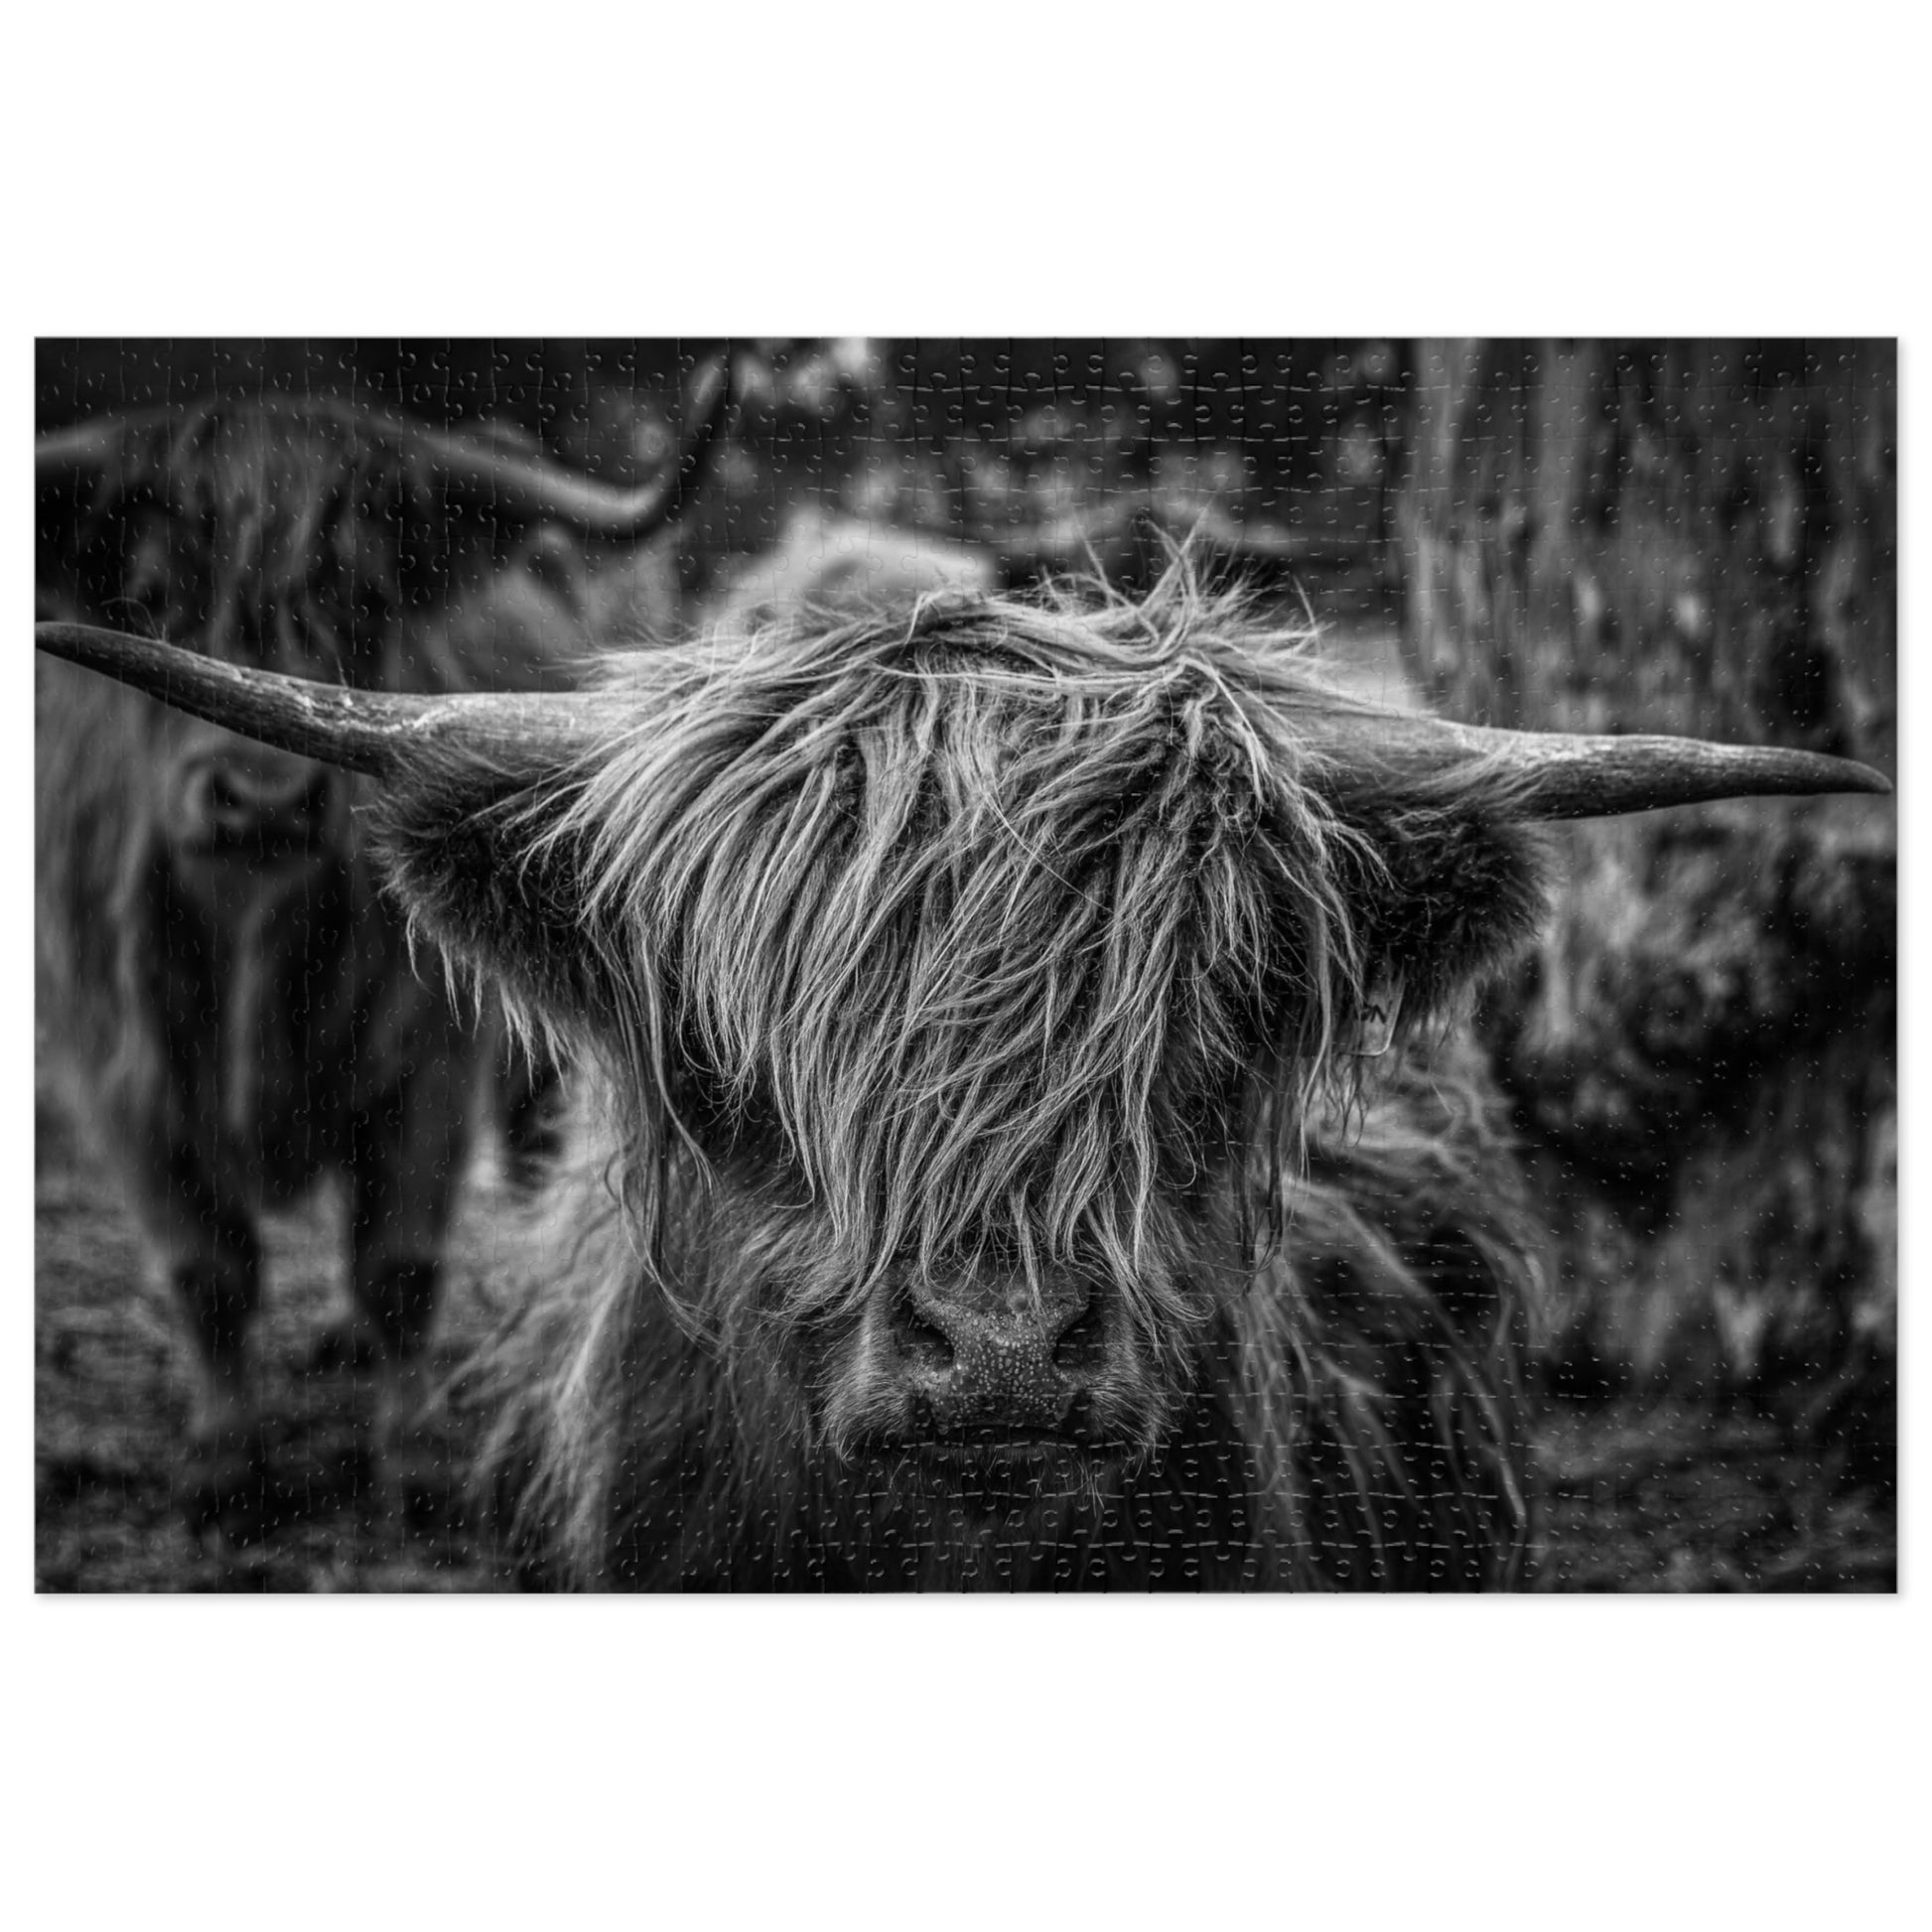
<point x="1001" y="1360"/>
<point x="239" y="799"/>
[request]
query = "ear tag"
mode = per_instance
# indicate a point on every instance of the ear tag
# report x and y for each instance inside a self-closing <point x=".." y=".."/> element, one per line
<point x="1381" y="1008"/>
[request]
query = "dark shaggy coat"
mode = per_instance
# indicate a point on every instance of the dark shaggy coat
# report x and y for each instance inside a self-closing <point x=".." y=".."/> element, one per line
<point x="1010" y="938"/>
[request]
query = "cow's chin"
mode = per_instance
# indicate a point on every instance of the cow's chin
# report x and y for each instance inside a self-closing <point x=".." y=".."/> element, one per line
<point x="989" y="1475"/>
<point x="897" y="1437"/>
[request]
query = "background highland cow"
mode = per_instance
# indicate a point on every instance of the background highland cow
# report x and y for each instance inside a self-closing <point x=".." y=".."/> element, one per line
<point x="1303" y="458"/>
<point x="231" y="1007"/>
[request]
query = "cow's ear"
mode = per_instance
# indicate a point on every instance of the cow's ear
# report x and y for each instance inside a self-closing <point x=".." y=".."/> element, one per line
<point x="1452" y="895"/>
<point x="480" y="853"/>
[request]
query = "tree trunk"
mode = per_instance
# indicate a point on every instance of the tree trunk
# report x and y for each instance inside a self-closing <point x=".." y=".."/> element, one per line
<point x="1696" y="539"/>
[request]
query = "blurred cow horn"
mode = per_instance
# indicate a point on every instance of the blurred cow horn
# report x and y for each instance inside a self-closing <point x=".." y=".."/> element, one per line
<point x="524" y="487"/>
<point x="361" y="731"/>
<point x="99" y="443"/>
<point x="1558" y="775"/>
<point x="516" y="485"/>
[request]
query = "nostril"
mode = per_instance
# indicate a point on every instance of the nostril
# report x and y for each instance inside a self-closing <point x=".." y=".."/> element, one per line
<point x="1079" y="1351"/>
<point x="220" y="790"/>
<point x="921" y="1341"/>
<point x="224" y="804"/>
<point x="311" y="804"/>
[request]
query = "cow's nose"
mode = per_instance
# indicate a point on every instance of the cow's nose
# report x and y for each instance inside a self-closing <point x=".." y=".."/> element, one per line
<point x="1002" y="1361"/>
<point x="228" y="800"/>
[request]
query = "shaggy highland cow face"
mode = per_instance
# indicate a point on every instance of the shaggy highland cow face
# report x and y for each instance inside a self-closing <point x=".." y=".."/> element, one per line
<point x="260" y="538"/>
<point x="960" y="984"/>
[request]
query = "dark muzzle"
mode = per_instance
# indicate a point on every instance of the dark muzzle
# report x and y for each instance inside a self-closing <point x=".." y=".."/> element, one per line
<point x="1000" y="1366"/>
<point x="253" y="803"/>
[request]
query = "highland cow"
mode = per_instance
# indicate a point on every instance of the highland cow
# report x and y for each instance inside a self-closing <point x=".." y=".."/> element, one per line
<point x="232" y="1003"/>
<point x="1028" y="1138"/>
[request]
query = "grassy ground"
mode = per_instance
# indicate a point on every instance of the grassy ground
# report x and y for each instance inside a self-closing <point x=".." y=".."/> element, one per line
<point x="1667" y="1494"/>
<point x="110" y="1406"/>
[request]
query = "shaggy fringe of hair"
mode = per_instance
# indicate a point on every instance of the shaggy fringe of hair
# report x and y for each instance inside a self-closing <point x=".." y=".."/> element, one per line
<point x="807" y="852"/>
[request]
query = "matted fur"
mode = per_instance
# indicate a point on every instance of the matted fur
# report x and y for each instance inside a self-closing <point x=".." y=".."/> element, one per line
<point x="998" y="937"/>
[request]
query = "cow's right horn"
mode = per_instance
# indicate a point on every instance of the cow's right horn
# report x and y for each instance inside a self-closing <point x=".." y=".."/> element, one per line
<point x="375" y="732"/>
<point x="519" y="486"/>
<point x="513" y="484"/>
<point x="98" y="443"/>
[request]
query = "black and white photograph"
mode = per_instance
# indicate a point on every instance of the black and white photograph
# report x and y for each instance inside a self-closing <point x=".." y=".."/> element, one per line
<point x="958" y="970"/>
<point x="868" y="964"/>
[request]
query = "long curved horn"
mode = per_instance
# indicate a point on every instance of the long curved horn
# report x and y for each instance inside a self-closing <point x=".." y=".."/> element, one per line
<point x="1536" y="774"/>
<point x="516" y="486"/>
<point x="97" y="442"/>
<point x="520" y="487"/>
<point x="1558" y="774"/>
<point x="377" y="731"/>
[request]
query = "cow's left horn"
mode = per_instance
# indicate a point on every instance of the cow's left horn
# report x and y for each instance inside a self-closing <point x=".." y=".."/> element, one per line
<point x="1558" y="774"/>
<point x="377" y="731"/>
